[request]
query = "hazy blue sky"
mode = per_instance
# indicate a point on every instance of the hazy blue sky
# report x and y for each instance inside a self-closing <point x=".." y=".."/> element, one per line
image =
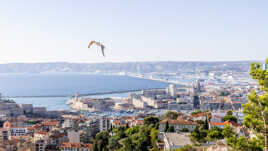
<point x="133" y="30"/>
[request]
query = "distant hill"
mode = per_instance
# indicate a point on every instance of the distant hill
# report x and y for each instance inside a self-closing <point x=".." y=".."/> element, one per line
<point x="132" y="67"/>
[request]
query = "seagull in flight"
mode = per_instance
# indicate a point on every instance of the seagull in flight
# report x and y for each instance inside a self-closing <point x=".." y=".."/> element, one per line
<point x="98" y="44"/>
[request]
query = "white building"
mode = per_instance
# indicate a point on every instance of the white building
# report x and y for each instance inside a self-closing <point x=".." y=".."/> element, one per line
<point x="74" y="136"/>
<point x="17" y="131"/>
<point x="40" y="145"/>
<point x="40" y="136"/>
<point x="68" y="123"/>
<point x="172" y="90"/>
<point x="150" y="101"/>
<point x="4" y="133"/>
<point x="138" y="103"/>
<point x="104" y="123"/>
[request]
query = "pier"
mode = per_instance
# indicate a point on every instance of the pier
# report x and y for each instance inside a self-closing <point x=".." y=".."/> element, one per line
<point x="83" y="95"/>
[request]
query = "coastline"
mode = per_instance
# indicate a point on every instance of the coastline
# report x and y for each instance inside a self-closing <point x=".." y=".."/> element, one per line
<point x="83" y="84"/>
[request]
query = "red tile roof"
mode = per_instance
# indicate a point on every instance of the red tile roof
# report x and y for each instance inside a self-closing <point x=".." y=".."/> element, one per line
<point x="116" y="122"/>
<point x="224" y="123"/>
<point x="50" y="123"/>
<point x="41" y="133"/>
<point x="30" y="128"/>
<point x="217" y="123"/>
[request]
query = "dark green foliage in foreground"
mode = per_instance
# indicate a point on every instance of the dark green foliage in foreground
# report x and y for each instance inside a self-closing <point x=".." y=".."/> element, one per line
<point x="240" y="143"/>
<point x="256" y="110"/>
<point x="101" y="141"/>
<point x="201" y="135"/>
<point x="113" y="143"/>
<point x="256" y="115"/>
<point x="255" y="120"/>
<point x="137" y="138"/>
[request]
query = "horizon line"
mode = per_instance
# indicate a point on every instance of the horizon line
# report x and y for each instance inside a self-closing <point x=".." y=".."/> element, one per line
<point x="70" y="62"/>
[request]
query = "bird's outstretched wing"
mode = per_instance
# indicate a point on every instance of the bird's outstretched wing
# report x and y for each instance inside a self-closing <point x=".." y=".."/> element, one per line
<point x="91" y="43"/>
<point x="102" y="50"/>
<point x="98" y="44"/>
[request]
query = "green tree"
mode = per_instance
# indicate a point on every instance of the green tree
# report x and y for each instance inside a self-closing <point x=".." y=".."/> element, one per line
<point x="127" y="126"/>
<point x="233" y="140"/>
<point x="142" y="139"/>
<point x="171" y="129"/>
<point x="154" y="138"/>
<point x="101" y="141"/>
<point x="201" y="124"/>
<point x="128" y="145"/>
<point x="229" y="112"/>
<point x="137" y="138"/>
<point x="171" y="115"/>
<point x="256" y="110"/>
<point x="199" y="135"/>
<point x="113" y="144"/>
<point x="230" y="118"/>
<point x="215" y="133"/>
<point x="227" y="132"/>
<point x="119" y="132"/>
<point x="185" y="130"/>
<point x="166" y="127"/>
<point x="196" y="112"/>
<point x="151" y="120"/>
<point x="206" y="126"/>
<point x="132" y="130"/>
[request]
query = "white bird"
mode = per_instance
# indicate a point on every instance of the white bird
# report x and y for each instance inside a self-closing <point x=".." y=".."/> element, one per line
<point x="98" y="44"/>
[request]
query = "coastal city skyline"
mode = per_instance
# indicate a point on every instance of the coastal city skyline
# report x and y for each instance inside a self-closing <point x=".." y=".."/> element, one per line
<point x="53" y="31"/>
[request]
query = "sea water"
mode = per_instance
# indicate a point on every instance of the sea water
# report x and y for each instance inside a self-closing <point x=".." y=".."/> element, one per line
<point x="67" y="84"/>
